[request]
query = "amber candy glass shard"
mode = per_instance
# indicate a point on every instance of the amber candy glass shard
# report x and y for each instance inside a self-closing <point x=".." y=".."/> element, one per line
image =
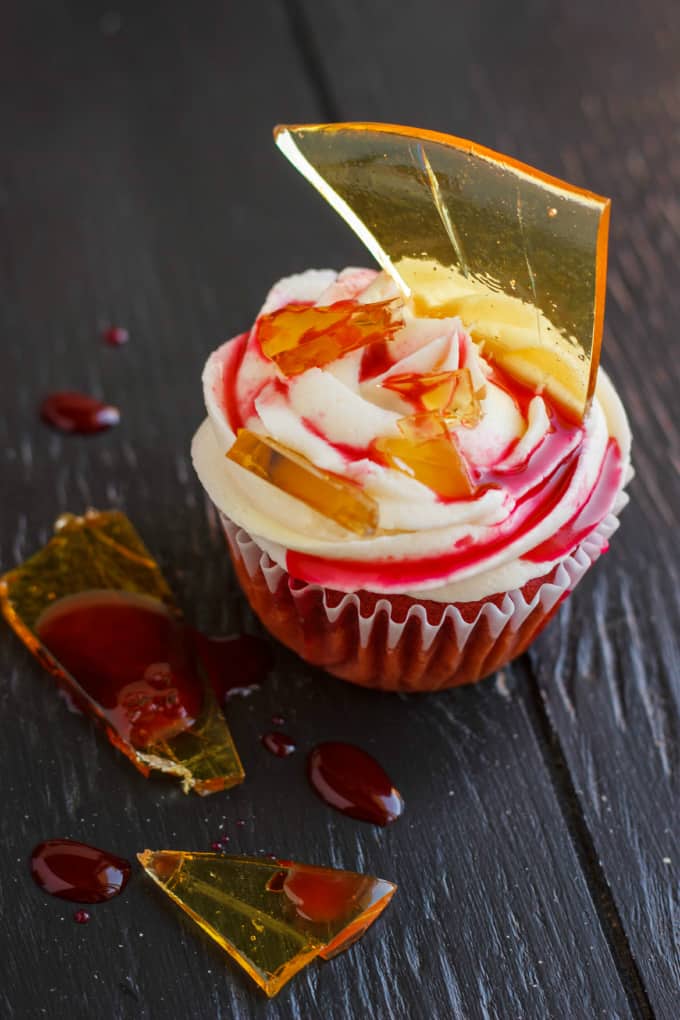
<point x="271" y="916"/>
<point x="302" y="336"/>
<point x="449" y="393"/>
<point x="331" y="495"/>
<point x="97" y="562"/>
<point x="426" y="451"/>
<point x="519" y="255"/>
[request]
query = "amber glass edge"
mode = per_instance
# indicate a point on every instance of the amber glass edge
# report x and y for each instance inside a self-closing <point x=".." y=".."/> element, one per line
<point x="270" y="986"/>
<point x="446" y="139"/>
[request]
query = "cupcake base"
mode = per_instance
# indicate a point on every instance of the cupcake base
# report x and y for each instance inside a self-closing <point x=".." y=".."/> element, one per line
<point x="395" y="642"/>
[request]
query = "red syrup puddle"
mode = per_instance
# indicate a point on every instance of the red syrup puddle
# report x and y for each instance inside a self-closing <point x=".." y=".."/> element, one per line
<point x="78" y="872"/>
<point x="278" y="743"/>
<point x="318" y="899"/>
<point x="75" y="412"/>
<point x="353" y="782"/>
<point x="146" y="686"/>
<point x="234" y="665"/>
<point x="115" y="336"/>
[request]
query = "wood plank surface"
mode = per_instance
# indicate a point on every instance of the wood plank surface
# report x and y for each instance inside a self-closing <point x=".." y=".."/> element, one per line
<point x="139" y="185"/>
<point x="590" y="94"/>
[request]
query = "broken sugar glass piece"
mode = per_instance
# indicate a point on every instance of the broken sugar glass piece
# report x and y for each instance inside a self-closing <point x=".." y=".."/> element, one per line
<point x="302" y="336"/>
<point x="452" y="394"/>
<point x="519" y="255"/>
<point x="95" y="610"/>
<point x="331" y="495"/>
<point x="427" y="452"/>
<point x="272" y="917"/>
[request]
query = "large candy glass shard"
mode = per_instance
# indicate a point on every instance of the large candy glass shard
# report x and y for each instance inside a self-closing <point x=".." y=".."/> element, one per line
<point x="302" y="336"/>
<point x="427" y="452"/>
<point x="335" y="497"/>
<point x="271" y="916"/>
<point x="96" y="612"/>
<point x="452" y="394"/>
<point x="519" y="255"/>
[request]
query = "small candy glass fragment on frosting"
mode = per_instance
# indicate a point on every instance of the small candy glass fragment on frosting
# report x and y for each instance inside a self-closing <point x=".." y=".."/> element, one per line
<point x="336" y="497"/>
<point x="301" y="336"/>
<point x="427" y="452"/>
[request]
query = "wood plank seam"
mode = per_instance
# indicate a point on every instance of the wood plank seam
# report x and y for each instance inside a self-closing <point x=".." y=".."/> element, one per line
<point x="569" y="804"/>
<point x="312" y="60"/>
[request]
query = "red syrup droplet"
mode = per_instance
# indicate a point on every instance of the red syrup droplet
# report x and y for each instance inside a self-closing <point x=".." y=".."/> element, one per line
<point x="81" y="916"/>
<point x="116" y="336"/>
<point x="234" y="665"/>
<point x="278" y="720"/>
<point x="353" y="782"/>
<point x="78" y="872"/>
<point x="132" y="657"/>
<point x="320" y="901"/>
<point x="279" y="744"/>
<point x="76" y="412"/>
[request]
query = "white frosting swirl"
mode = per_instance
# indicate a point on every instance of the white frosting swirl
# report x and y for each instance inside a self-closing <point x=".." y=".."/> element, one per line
<point x="331" y="415"/>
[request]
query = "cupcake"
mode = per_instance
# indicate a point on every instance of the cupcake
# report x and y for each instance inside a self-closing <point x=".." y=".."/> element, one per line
<point x="406" y="503"/>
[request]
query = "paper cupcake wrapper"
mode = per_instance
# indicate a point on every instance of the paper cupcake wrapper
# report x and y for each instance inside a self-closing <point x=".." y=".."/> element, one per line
<point x="397" y="642"/>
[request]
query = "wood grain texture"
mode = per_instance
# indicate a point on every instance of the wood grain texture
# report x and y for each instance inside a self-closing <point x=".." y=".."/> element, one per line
<point x="139" y="185"/>
<point x="591" y="94"/>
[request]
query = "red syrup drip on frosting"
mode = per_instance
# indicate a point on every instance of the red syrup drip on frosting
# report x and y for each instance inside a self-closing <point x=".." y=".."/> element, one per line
<point x="279" y="744"/>
<point x="353" y="782"/>
<point x="344" y="449"/>
<point x="588" y="517"/>
<point x="132" y="656"/>
<point x="376" y="359"/>
<point x="76" y="412"/>
<point x="232" y="363"/>
<point x="234" y="665"/>
<point x="78" y="872"/>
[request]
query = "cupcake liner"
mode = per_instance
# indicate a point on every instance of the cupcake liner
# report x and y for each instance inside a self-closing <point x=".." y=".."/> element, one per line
<point x="398" y="643"/>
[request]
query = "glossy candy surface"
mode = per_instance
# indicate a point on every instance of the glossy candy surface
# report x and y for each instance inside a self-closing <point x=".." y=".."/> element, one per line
<point x="94" y="608"/>
<point x="302" y="336"/>
<point x="273" y="917"/>
<point x="427" y="452"/>
<point x="331" y="495"/>
<point x="519" y="255"/>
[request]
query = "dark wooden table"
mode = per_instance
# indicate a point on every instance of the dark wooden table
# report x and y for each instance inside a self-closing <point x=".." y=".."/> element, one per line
<point x="537" y="859"/>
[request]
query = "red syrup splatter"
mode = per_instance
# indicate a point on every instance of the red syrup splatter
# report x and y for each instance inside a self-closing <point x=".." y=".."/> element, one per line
<point x="278" y="720"/>
<point x="234" y="665"/>
<point x="78" y="872"/>
<point x="75" y="412"/>
<point x="376" y="359"/>
<point x="116" y="336"/>
<point x="278" y="743"/>
<point x="81" y="916"/>
<point x="353" y="782"/>
<point x="132" y="659"/>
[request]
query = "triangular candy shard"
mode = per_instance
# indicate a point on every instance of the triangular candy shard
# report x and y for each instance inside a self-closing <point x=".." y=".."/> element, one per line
<point x="519" y="255"/>
<point x="95" y="610"/>
<point x="271" y="916"/>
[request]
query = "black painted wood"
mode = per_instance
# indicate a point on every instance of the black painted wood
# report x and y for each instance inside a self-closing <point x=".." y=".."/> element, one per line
<point x="139" y="184"/>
